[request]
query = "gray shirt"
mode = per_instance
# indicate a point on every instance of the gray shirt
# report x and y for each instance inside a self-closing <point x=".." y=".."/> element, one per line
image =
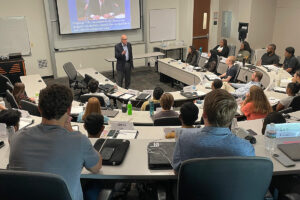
<point x="166" y="113"/>
<point x="52" y="149"/>
<point x="286" y="101"/>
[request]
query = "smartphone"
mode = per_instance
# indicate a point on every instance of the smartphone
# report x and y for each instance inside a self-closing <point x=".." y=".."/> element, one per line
<point x="111" y="133"/>
<point x="107" y="152"/>
<point x="284" y="160"/>
<point x="251" y="132"/>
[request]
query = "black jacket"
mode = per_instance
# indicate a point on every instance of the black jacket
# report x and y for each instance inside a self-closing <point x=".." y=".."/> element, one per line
<point x="224" y="52"/>
<point x="121" y="59"/>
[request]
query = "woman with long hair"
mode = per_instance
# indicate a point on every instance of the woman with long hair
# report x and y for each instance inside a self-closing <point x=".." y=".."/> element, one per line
<point x="244" y="52"/>
<point x="256" y="104"/>
<point x="93" y="106"/>
<point x="19" y="93"/>
<point x="192" y="56"/>
<point x="222" y="49"/>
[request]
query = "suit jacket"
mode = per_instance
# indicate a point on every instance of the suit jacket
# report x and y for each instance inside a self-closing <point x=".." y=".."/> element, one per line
<point x="121" y="59"/>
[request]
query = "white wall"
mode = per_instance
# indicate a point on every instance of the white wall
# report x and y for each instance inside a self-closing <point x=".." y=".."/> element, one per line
<point x="286" y="28"/>
<point x="261" y="23"/>
<point x="33" y="10"/>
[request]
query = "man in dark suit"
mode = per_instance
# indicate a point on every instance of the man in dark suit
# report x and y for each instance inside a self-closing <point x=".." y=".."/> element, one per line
<point x="123" y="54"/>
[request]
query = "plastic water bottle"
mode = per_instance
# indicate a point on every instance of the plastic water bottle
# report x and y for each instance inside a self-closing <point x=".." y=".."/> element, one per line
<point x="151" y="103"/>
<point x="129" y="108"/>
<point x="10" y="130"/>
<point x="200" y="49"/>
<point x="270" y="138"/>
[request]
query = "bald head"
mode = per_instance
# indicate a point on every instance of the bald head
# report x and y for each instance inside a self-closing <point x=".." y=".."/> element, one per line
<point x="124" y="39"/>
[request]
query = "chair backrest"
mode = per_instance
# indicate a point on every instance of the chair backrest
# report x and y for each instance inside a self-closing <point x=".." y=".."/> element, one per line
<point x="85" y="98"/>
<point x="32" y="185"/>
<point x="70" y="71"/>
<point x="237" y="73"/>
<point x="232" y="49"/>
<point x="3" y="81"/>
<point x="252" y="57"/>
<point x="11" y="100"/>
<point x="233" y="178"/>
<point x="9" y="86"/>
<point x="30" y="107"/>
<point x="198" y="57"/>
<point x="202" y="61"/>
<point x="218" y="63"/>
<point x="258" y="54"/>
<point x="295" y="104"/>
<point x="167" y="121"/>
<point x="156" y="105"/>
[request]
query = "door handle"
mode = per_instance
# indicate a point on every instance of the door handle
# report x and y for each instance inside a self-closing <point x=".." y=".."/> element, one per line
<point x="201" y="37"/>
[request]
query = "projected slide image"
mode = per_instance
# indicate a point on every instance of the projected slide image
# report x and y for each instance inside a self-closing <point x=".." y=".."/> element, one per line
<point x="100" y="9"/>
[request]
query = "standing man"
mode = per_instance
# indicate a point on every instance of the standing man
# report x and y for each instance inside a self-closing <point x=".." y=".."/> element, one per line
<point x="123" y="54"/>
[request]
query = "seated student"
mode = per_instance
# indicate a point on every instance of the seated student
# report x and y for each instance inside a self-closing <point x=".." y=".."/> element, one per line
<point x="188" y="116"/>
<point x="215" y="139"/>
<point x="242" y="89"/>
<point x="216" y="84"/>
<point x="158" y="91"/>
<point x="19" y="93"/>
<point x="93" y="106"/>
<point x="231" y="70"/>
<point x="244" y="52"/>
<point x="211" y="64"/>
<point x="52" y="146"/>
<point x="269" y="58"/>
<point x="192" y="56"/>
<point x="222" y="49"/>
<point x="166" y="102"/>
<point x="93" y="124"/>
<point x="256" y="105"/>
<point x="93" y="89"/>
<point x="296" y="77"/>
<point x="273" y="117"/>
<point x="10" y="117"/>
<point x="291" y="63"/>
<point x="291" y="90"/>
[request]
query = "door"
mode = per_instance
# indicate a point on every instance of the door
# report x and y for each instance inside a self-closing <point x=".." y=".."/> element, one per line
<point x="201" y="24"/>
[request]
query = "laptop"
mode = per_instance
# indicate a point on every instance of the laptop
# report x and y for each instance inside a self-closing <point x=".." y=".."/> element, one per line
<point x="291" y="150"/>
<point x="160" y="155"/>
<point x="110" y="113"/>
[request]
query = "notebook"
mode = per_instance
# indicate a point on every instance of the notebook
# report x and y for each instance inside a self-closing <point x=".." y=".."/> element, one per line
<point x="291" y="150"/>
<point x="211" y="77"/>
<point x="160" y="155"/>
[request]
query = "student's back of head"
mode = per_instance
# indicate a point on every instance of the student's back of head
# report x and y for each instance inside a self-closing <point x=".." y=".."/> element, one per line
<point x="93" y="123"/>
<point x="216" y="84"/>
<point x="188" y="114"/>
<point x="10" y="117"/>
<point x="55" y="101"/>
<point x="219" y="108"/>
<point x="273" y="117"/>
<point x="167" y="101"/>
<point x="93" y="106"/>
<point x="93" y="85"/>
<point x="157" y="93"/>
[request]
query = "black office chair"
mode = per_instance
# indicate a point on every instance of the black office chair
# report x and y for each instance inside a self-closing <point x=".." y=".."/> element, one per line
<point x="217" y="64"/>
<point x="11" y="100"/>
<point x="3" y="85"/>
<point x="156" y="105"/>
<point x="85" y="98"/>
<point x="32" y="185"/>
<point x="167" y="121"/>
<point x="9" y="86"/>
<point x="237" y="73"/>
<point x="294" y="106"/>
<point x="30" y="107"/>
<point x="74" y="82"/>
<point x="233" y="178"/>
<point x="198" y="53"/>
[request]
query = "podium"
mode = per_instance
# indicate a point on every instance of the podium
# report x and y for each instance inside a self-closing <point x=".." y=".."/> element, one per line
<point x="13" y="69"/>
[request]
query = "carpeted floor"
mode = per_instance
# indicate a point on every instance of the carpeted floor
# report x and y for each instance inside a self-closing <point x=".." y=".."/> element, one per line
<point x="142" y="78"/>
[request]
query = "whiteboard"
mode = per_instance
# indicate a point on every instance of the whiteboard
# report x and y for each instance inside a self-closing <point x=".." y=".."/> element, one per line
<point x="86" y="40"/>
<point x="14" y="37"/>
<point x="163" y="24"/>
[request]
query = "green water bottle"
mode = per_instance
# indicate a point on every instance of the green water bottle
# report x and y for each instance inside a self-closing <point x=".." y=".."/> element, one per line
<point x="129" y="108"/>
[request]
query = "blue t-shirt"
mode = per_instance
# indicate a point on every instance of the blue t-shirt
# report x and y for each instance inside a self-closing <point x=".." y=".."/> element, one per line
<point x="209" y="142"/>
<point x="53" y="149"/>
<point x="232" y="71"/>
